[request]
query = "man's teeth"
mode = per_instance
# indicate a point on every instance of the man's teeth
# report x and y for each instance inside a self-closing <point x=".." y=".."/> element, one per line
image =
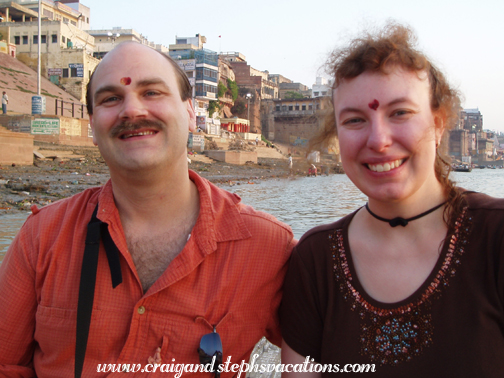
<point x="138" y="134"/>
<point x="385" y="167"/>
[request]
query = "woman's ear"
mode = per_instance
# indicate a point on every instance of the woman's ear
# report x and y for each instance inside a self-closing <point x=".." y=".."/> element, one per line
<point x="439" y="127"/>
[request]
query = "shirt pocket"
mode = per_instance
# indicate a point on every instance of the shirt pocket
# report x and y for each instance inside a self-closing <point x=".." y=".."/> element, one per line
<point x="55" y="331"/>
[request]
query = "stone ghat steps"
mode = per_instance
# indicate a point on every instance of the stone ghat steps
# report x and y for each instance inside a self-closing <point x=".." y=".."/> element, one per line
<point x="262" y="150"/>
<point x="200" y="158"/>
<point x="57" y="154"/>
<point x="270" y="153"/>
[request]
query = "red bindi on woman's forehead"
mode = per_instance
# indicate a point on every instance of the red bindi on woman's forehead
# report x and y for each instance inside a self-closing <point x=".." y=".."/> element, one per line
<point x="126" y="80"/>
<point x="374" y="105"/>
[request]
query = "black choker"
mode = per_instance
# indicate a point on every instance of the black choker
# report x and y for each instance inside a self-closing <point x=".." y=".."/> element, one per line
<point x="401" y="221"/>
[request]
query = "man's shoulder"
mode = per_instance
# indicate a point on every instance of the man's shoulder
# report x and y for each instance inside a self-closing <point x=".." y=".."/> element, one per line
<point x="254" y="216"/>
<point x="69" y="206"/>
<point x="228" y="208"/>
<point x="250" y="216"/>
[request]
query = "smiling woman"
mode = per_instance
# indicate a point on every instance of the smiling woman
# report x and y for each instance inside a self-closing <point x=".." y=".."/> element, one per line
<point x="384" y="284"/>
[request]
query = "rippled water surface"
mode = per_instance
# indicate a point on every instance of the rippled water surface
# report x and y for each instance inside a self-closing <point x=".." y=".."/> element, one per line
<point x="302" y="203"/>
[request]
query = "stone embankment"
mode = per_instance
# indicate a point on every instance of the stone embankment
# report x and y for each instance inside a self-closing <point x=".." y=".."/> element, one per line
<point x="59" y="171"/>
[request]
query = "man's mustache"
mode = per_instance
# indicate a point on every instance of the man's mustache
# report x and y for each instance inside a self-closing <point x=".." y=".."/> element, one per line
<point x="127" y="126"/>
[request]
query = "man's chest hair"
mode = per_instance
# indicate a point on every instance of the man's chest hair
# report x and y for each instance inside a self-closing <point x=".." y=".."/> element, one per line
<point x="153" y="253"/>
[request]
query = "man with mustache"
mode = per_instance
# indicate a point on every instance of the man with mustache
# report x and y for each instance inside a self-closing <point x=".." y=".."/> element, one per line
<point x="147" y="268"/>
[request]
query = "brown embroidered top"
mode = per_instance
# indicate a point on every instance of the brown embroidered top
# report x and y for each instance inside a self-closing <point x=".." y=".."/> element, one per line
<point x="451" y="326"/>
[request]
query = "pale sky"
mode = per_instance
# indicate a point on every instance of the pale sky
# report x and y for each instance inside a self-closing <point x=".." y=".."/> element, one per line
<point x="293" y="38"/>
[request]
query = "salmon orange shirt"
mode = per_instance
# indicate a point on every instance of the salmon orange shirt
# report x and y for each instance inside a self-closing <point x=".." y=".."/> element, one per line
<point x="229" y="274"/>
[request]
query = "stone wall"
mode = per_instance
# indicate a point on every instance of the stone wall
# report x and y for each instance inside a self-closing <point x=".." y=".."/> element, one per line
<point x="15" y="148"/>
<point x="232" y="157"/>
<point x="296" y="130"/>
<point x="71" y="131"/>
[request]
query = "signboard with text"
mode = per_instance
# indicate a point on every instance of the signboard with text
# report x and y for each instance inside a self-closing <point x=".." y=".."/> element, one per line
<point x="79" y="67"/>
<point x="54" y="71"/>
<point x="45" y="126"/>
<point x="187" y="65"/>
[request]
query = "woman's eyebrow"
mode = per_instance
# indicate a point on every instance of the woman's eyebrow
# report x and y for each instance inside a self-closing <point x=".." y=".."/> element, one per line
<point x="349" y="110"/>
<point x="400" y="100"/>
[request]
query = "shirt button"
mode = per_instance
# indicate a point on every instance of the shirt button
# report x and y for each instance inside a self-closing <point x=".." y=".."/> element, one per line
<point x="141" y="310"/>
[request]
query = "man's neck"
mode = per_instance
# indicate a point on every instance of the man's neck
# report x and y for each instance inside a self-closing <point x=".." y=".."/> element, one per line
<point x="155" y="199"/>
<point x="158" y="213"/>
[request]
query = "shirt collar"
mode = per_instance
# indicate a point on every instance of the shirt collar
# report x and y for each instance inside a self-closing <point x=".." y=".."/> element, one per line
<point x="219" y="219"/>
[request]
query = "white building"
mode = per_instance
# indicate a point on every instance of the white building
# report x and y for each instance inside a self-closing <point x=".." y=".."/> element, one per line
<point x="322" y="87"/>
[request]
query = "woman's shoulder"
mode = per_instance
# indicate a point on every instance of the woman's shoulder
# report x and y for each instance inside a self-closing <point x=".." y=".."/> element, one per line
<point x="481" y="201"/>
<point x="321" y="233"/>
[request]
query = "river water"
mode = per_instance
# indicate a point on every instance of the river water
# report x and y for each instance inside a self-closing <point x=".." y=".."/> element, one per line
<point x="302" y="203"/>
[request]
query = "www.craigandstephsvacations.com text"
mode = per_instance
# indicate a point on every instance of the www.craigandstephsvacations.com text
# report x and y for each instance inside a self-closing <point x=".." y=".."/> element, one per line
<point x="307" y="366"/>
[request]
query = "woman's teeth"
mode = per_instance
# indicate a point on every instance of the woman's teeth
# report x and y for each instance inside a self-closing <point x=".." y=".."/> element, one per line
<point x="386" y="166"/>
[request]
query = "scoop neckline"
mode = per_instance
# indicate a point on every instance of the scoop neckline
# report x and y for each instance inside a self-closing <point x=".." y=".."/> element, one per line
<point x="414" y="297"/>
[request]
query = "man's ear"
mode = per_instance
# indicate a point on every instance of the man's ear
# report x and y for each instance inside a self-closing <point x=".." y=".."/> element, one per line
<point x="92" y="129"/>
<point x="192" y="115"/>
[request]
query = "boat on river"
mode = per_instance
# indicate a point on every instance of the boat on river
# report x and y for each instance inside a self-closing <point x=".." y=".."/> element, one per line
<point x="461" y="168"/>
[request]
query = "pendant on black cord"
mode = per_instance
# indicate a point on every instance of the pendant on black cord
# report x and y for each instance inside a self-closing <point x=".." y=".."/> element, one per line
<point x="401" y="221"/>
<point x="398" y="222"/>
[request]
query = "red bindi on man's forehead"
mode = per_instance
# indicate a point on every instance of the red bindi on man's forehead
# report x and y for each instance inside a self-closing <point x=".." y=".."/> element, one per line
<point x="125" y="81"/>
<point x="374" y="105"/>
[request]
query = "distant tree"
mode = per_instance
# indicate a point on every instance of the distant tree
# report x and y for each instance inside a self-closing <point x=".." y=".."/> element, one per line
<point x="239" y="107"/>
<point x="233" y="87"/>
<point x="221" y="89"/>
<point x="213" y="106"/>
<point x="291" y="95"/>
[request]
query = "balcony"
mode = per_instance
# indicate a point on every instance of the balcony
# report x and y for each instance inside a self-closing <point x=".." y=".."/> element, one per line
<point x="293" y="113"/>
<point x="207" y="95"/>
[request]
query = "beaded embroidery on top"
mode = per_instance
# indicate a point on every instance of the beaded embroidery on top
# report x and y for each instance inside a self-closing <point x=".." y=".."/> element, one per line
<point x="392" y="336"/>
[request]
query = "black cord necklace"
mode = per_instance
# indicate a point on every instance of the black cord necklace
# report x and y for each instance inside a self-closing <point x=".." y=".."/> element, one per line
<point x="401" y="221"/>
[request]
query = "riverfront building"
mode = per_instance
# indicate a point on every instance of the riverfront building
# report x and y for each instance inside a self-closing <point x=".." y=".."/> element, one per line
<point x="322" y="87"/>
<point x="106" y="39"/>
<point x="294" y="121"/>
<point x="202" y="68"/>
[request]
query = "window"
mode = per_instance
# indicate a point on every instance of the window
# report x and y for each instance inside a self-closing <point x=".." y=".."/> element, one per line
<point x="73" y="23"/>
<point x="73" y="72"/>
<point x="54" y="38"/>
<point x="87" y="20"/>
<point x="324" y="93"/>
<point x="290" y="107"/>
<point x="25" y="39"/>
<point x="277" y="108"/>
<point x="284" y="107"/>
<point x="35" y="39"/>
<point x="17" y="40"/>
<point x="315" y="94"/>
<point x="65" y="20"/>
<point x="48" y="14"/>
<point x="310" y="107"/>
<point x="318" y="106"/>
<point x="65" y="72"/>
<point x="43" y="38"/>
<point x="303" y="107"/>
<point x="63" y="39"/>
<point x="297" y="107"/>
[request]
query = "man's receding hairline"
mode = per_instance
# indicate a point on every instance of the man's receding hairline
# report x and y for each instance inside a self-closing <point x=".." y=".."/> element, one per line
<point x="120" y="46"/>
